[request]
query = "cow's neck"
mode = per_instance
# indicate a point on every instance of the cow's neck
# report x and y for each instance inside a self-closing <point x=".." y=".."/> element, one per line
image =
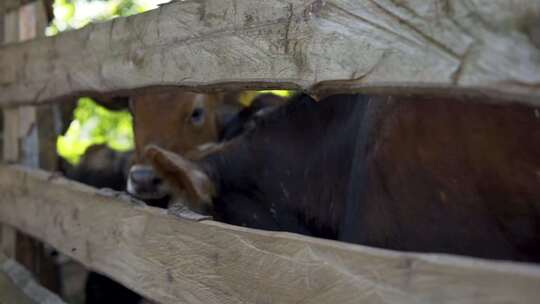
<point x="299" y="159"/>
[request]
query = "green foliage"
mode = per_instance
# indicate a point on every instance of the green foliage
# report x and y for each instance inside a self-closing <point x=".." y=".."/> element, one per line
<point x="94" y="124"/>
<point x="247" y="96"/>
<point x="73" y="14"/>
<point x="282" y="93"/>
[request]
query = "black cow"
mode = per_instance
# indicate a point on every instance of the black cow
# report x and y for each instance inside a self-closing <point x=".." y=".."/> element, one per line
<point x="100" y="167"/>
<point x="412" y="173"/>
<point x="245" y="118"/>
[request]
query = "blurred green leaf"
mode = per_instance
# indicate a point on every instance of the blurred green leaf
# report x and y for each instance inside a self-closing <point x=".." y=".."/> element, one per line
<point x="94" y="124"/>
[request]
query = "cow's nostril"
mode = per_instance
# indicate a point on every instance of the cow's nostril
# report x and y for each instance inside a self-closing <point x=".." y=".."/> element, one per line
<point x="156" y="181"/>
<point x="135" y="176"/>
<point x="143" y="176"/>
<point x="139" y="177"/>
<point x="144" y="183"/>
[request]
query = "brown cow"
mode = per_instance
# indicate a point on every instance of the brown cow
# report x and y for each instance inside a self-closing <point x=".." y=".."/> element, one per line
<point x="412" y="173"/>
<point x="177" y="120"/>
<point x="184" y="123"/>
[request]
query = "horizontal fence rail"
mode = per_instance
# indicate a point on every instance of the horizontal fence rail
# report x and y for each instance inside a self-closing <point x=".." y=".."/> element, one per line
<point x="176" y="261"/>
<point x="18" y="286"/>
<point x="486" y="46"/>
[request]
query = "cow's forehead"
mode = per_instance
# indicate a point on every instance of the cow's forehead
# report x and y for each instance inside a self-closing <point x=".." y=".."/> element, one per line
<point x="163" y="119"/>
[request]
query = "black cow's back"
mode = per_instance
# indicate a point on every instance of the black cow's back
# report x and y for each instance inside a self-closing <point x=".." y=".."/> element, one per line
<point x="413" y="173"/>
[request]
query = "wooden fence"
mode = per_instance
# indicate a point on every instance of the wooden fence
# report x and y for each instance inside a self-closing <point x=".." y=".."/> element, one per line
<point x="177" y="261"/>
<point x="346" y="44"/>
<point x="465" y="46"/>
<point x="18" y="286"/>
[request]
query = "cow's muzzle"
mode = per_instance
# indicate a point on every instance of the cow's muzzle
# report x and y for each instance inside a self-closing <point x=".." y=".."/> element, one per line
<point x="144" y="183"/>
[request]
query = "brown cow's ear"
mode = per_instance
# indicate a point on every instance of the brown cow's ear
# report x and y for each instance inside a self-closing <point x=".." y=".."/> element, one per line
<point x="184" y="176"/>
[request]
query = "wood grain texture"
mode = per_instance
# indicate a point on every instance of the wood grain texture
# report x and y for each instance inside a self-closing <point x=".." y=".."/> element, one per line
<point x="314" y="45"/>
<point x="175" y="261"/>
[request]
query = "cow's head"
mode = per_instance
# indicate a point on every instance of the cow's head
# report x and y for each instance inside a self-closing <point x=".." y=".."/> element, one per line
<point x="178" y="121"/>
<point x="234" y="173"/>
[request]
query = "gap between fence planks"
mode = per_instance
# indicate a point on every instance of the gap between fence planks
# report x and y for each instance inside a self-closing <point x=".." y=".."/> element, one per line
<point x="484" y="46"/>
<point x="177" y="261"/>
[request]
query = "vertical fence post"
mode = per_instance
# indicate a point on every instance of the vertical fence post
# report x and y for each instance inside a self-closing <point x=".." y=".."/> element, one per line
<point x="24" y="143"/>
<point x="11" y="130"/>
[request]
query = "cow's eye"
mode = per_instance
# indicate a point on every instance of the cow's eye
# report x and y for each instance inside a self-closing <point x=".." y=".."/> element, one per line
<point x="197" y="116"/>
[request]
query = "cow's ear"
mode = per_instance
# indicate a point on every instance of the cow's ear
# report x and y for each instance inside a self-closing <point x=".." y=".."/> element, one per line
<point x="184" y="176"/>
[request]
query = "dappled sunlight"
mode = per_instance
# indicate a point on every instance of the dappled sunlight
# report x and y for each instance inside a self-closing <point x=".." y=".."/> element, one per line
<point x="247" y="97"/>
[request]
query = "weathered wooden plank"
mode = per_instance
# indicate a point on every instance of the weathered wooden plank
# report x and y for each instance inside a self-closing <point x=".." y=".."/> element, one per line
<point x="10" y="140"/>
<point x="176" y="261"/>
<point x="18" y="286"/>
<point x="9" y="293"/>
<point x="350" y="44"/>
<point x="1" y="28"/>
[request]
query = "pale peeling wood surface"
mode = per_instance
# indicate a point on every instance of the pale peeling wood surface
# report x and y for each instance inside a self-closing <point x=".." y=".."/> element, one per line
<point x="359" y="44"/>
<point x="18" y="286"/>
<point x="175" y="261"/>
